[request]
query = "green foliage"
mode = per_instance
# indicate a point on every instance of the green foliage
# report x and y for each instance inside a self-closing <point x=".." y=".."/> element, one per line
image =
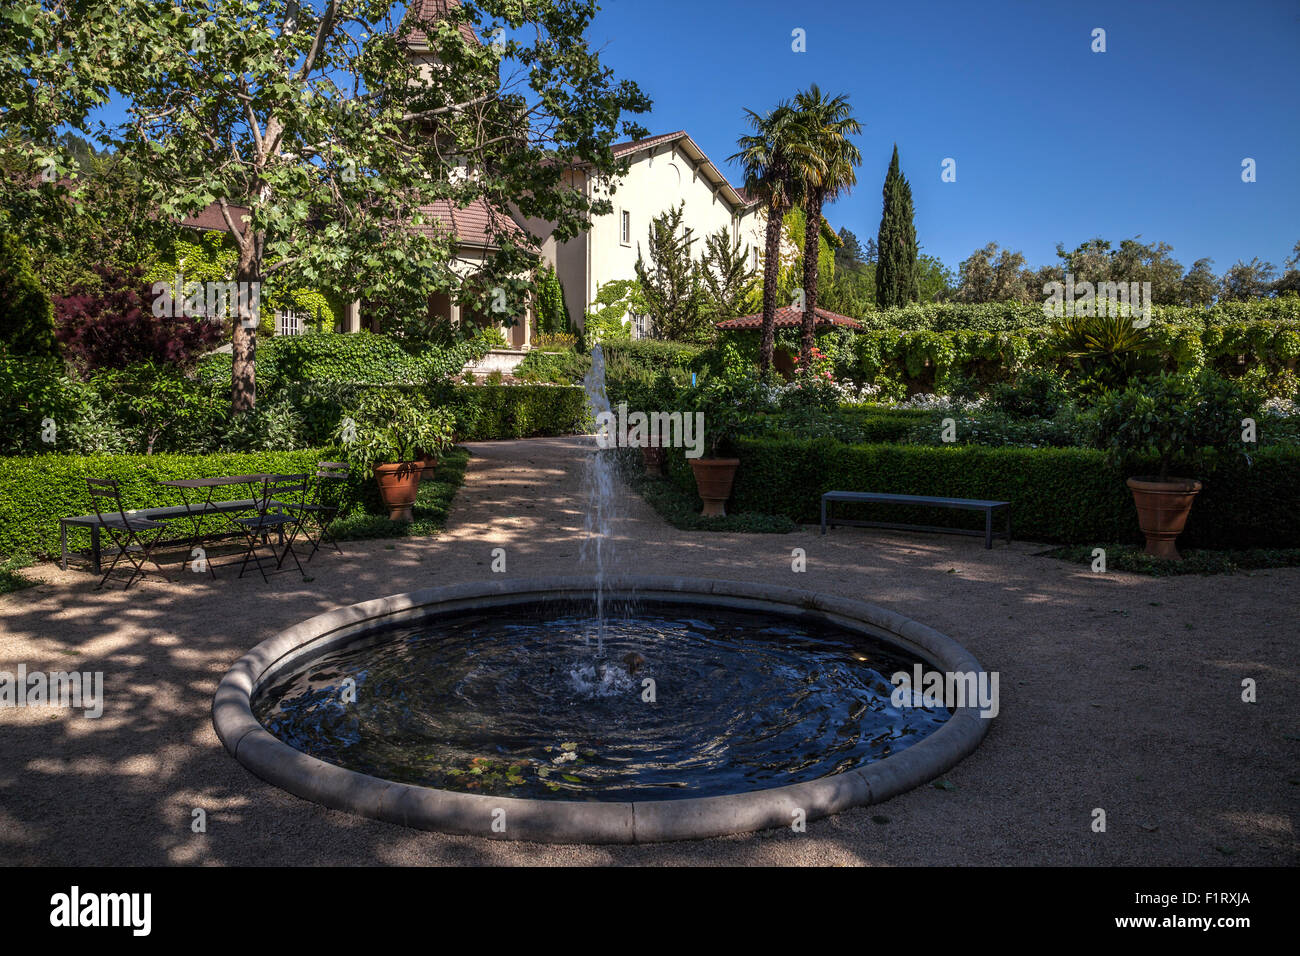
<point x="607" y="320"/>
<point x="730" y="284"/>
<point x="854" y="426"/>
<point x="391" y="426"/>
<point x="432" y="505"/>
<point x="681" y="508"/>
<point x="495" y="337"/>
<point x="100" y="218"/>
<point x="36" y="491"/>
<point x="26" y="315"/>
<point x="1182" y="422"/>
<point x="11" y="578"/>
<point x="40" y="389"/>
<point x="730" y="404"/>
<point x="927" y="358"/>
<point x="1039" y="393"/>
<point x="371" y="158"/>
<point x="896" y="279"/>
<point x="1121" y="557"/>
<point x="555" y="342"/>
<point x="274" y="425"/>
<point x="1064" y="495"/>
<point x="359" y="358"/>
<point x="552" y="312"/>
<point x="670" y="281"/>
<point x="485" y="412"/>
<point x="157" y="400"/>
<point x="562" y="368"/>
<point x="1107" y="351"/>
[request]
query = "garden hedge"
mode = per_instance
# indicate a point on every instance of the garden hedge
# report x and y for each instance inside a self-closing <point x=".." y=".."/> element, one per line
<point x="1017" y="316"/>
<point x="1062" y="495"/>
<point x="36" y="491"/>
<point x="357" y="358"/>
<point x="925" y="357"/>
<point x="485" y="412"/>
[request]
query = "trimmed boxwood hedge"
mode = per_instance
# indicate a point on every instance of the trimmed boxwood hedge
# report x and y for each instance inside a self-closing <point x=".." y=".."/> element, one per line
<point x="36" y="491"/>
<point x="1062" y="495"/>
<point x="485" y="412"/>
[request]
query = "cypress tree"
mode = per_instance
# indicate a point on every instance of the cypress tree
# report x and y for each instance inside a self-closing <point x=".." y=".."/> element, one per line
<point x="896" y="279"/>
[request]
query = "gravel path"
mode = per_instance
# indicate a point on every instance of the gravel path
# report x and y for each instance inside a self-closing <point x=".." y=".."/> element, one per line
<point x="1117" y="691"/>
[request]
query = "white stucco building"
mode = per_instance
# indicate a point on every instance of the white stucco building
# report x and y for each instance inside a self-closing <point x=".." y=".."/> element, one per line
<point x="664" y="171"/>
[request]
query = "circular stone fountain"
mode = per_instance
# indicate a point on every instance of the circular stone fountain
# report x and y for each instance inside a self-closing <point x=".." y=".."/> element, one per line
<point x="496" y="709"/>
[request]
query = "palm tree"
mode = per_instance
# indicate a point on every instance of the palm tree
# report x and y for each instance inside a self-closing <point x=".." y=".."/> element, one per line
<point x="768" y="157"/>
<point x="826" y="172"/>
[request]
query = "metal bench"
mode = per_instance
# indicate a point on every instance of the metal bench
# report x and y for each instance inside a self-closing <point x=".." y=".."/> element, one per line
<point x="969" y="504"/>
<point x="94" y="523"/>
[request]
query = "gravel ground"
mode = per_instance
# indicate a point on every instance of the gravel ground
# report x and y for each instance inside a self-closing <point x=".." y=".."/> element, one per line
<point x="1117" y="691"/>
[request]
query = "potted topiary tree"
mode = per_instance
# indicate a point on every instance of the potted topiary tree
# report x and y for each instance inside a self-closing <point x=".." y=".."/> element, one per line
<point x="728" y="403"/>
<point x="1180" y="423"/>
<point x="383" y="434"/>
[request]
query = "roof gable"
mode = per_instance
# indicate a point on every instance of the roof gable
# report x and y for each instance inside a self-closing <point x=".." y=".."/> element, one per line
<point x="735" y="198"/>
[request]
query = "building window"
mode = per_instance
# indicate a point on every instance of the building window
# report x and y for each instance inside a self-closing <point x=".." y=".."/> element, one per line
<point x="755" y="251"/>
<point x="640" y="326"/>
<point x="625" y="228"/>
<point x="288" y="323"/>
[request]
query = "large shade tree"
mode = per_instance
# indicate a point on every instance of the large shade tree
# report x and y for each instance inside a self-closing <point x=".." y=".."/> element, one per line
<point x="321" y="139"/>
<point x="827" y="169"/>
<point x="768" y="157"/>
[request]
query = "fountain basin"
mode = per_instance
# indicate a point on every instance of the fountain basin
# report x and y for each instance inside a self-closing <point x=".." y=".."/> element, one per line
<point x="614" y="817"/>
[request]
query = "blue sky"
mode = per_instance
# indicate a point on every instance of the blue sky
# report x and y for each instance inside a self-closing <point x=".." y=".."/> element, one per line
<point x="1053" y="143"/>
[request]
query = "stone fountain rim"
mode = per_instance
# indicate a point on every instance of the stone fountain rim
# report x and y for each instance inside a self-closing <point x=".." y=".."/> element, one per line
<point x="566" y="821"/>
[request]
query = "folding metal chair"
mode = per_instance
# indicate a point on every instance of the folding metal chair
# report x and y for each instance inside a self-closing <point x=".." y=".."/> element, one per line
<point x="322" y="506"/>
<point x="127" y="531"/>
<point x="274" y="514"/>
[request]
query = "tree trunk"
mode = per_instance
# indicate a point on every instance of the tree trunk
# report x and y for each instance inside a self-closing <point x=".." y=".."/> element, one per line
<point x="771" y="267"/>
<point x="811" y="248"/>
<point x="243" y="389"/>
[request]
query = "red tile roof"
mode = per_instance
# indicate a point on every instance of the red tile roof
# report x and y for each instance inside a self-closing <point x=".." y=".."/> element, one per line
<point x="469" y="224"/>
<point x="621" y="149"/>
<point x="432" y="10"/>
<point x="789" y="318"/>
<point x="210" y="218"/>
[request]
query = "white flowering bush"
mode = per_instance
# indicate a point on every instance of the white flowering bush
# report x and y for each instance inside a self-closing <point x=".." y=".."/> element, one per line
<point x="929" y="402"/>
<point x="1280" y="408"/>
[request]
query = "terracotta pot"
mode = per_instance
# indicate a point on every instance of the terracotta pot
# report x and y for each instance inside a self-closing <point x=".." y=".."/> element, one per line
<point x="1162" y="507"/>
<point x="429" y="463"/>
<point x="398" y="486"/>
<point x="713" y="478"/>
<point x="653" y="459"/>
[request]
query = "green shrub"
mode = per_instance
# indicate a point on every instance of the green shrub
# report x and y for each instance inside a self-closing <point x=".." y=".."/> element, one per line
<point x="562" y="368"/>
<point x="1065" y="495"/>
<point x="927" y="359"/>
<point x="1039" y="393"/>
<point x="485" y="412"/>
<point x="35" y="492"/>
<point x="1016" y="316"/>
<point x="555" y="341"/>
<point x="853" y="426"/>
<point x="26" y="315"/>
<point x="552" y="313"/>
<point x="357" y="358"/>
<point x="1182" y="423"/>
<point x="389" y="427"/>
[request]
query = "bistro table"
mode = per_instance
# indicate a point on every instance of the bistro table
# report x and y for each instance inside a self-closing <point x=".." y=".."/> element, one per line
<point x="195" y="512"/>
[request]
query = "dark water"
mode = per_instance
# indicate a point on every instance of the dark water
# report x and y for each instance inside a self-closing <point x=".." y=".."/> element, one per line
<point x="515" y="703"/>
